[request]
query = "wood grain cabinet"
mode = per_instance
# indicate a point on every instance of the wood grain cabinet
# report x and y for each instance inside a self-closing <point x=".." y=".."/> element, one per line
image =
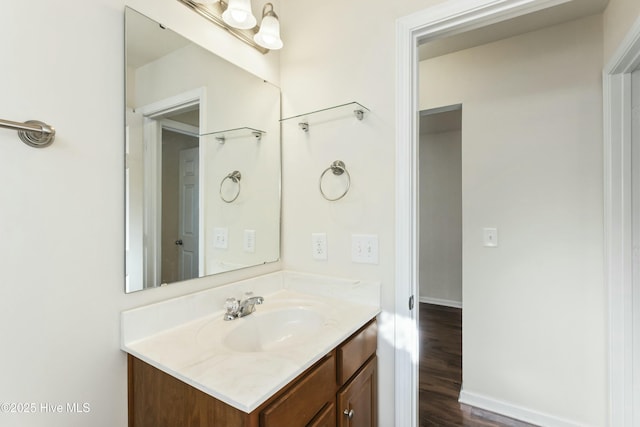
<point x="305" y="399"/>
<point x="339" y="390"/>
<point x="357" y="368"/>
<point x="357" y="401"/>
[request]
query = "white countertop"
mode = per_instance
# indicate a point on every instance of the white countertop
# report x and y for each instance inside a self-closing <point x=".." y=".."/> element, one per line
<point x="194" y="349"/>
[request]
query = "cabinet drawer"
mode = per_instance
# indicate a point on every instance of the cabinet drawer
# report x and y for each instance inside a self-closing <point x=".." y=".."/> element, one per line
<point x="302" y="401"/>
<point x="356" y="351"/>
<point x="326" y="417"/>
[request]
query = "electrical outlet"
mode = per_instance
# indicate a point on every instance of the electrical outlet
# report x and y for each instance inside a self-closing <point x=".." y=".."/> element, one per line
<point x="364" y="248"/>
<point x="249" y="241"/>
<point x="319" y="246"/>
<point x="220" y="238"/>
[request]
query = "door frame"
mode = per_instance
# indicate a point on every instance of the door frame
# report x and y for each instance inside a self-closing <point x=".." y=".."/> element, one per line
<point x="444" y="19"/>
<point x="153" y="123"/>
<point x="618" y="221"/>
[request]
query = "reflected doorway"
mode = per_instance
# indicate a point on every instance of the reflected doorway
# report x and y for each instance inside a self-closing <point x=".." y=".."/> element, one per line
<point x="172" y="212"/>
<point x="180" y="216"/>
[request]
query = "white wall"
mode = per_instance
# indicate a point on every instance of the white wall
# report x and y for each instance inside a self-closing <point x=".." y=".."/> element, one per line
<point x="440" y="252"/>
<point x="617" y="20"/>
<point x="62" y="215"/>
<point x="534" y="308"/>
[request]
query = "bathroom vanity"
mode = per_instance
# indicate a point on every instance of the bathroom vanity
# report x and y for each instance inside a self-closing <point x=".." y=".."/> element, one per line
<point x="304" y="358"/>
<point x="338" y="390"/>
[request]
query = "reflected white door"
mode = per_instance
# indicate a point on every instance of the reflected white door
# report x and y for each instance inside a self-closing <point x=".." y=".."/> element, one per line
<point x="188" y="214"/>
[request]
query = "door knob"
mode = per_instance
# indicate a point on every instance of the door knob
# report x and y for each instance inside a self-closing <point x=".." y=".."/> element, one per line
<point x="179" y="242"/>
<point x="348" y="413"/>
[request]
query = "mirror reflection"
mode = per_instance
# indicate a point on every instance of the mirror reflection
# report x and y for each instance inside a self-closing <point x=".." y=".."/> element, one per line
<point x="202" y="161"/>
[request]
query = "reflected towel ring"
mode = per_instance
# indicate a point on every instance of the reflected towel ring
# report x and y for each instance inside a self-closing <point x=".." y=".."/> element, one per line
<point x="234" y="176"/>
<point x="338" y="168"/>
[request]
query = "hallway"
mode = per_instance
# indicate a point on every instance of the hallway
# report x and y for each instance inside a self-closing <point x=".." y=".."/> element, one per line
<point x="441" y="374"/>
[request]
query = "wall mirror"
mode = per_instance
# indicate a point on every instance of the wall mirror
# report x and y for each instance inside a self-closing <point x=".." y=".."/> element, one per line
<point x="202" y="161"/>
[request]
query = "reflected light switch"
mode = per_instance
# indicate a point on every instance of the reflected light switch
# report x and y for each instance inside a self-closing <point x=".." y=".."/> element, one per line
<point x="249" y="241"/>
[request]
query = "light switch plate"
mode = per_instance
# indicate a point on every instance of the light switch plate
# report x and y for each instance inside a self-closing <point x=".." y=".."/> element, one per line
<point x="490" y="237"/>
<point x="364" y="248"/>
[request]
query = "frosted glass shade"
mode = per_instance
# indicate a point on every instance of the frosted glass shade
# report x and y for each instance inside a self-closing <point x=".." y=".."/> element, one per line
<point x="239" y="15"/>
<point x="269" y="34"/>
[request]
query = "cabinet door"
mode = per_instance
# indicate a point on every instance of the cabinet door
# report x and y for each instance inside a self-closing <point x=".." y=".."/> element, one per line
<point x="357" y="401"/>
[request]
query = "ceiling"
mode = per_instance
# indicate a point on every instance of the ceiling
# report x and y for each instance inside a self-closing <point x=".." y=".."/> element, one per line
<point x="569" y="11"/>
<point x="147" y="41"/>
<point x="439" y="120"/>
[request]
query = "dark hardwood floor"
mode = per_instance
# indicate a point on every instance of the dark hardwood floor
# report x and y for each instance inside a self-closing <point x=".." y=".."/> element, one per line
<point x="441" y="373"/>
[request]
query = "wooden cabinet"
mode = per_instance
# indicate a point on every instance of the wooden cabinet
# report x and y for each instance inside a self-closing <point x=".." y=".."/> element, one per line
<point x="157" y="399"/>
<point x="357" y="368"/>
<point x="344" y="380"/>
<point x="356" y="350"/>
<point x="357" y="401"/>
<point x="299" y="405"/>
<point x="326" y="417"/>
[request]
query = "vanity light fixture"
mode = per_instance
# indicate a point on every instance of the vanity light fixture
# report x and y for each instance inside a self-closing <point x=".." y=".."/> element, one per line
<point x="236" y="17"/>
<point x="269" y="34"/>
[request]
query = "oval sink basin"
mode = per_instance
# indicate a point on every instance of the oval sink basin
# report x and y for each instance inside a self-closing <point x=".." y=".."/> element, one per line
<point x="274" y="330"/>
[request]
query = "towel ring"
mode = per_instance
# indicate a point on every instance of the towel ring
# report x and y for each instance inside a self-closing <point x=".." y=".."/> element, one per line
<point x="338" y="168"/>
<point x="234" y="176"/>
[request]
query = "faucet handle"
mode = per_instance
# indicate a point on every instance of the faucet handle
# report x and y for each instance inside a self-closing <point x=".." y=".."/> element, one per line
<point x="231" y="305"/>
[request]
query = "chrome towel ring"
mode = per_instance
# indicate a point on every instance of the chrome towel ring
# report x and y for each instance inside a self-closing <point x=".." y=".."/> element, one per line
<point x="338" y="168"/>
<point x="235" y="177"/>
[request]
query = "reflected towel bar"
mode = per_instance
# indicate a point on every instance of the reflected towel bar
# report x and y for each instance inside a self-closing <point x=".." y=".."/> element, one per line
<point x="32" y="132"/>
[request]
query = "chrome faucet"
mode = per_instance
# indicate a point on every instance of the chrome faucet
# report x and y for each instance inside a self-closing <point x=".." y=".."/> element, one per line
<point x="236" y="308"/>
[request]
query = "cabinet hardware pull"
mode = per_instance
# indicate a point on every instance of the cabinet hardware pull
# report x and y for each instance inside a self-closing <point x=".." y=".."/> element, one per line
<point x="349" y="413"/>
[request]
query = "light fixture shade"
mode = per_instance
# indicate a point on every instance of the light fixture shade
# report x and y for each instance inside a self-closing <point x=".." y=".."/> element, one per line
<point x="269" y="34"/>
<point x="239" y="15"/>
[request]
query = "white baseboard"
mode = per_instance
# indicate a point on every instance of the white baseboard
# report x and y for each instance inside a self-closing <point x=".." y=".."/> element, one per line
<point x="514" y="411"/>
<point x="438" y="301"/>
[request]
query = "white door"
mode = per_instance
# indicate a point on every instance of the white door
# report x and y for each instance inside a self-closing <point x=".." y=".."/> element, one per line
<point x="188" y="214"/>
